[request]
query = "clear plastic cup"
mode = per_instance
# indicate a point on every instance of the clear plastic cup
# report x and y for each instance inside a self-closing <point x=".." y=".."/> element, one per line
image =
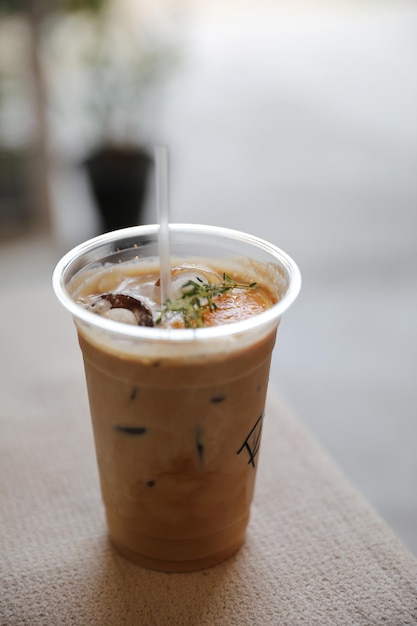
<point x="177" y="413"/>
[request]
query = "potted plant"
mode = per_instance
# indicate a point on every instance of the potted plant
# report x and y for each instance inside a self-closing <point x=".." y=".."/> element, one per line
<point x="121" y="59"/>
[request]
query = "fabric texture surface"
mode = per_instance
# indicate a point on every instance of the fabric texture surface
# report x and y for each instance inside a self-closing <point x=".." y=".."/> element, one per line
<point x="316" y="552"/>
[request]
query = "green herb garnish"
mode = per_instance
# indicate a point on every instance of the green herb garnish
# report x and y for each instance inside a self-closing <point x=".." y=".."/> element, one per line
<point x="196" y="298"/>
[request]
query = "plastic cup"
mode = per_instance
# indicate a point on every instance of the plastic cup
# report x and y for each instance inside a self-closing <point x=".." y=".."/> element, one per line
<point x="177" y="413"/>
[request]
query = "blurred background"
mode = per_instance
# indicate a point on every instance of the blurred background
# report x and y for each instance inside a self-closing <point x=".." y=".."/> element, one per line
<point x="296" y="121"/>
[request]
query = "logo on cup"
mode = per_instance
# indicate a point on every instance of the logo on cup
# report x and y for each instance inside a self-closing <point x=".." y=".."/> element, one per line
<point x="253" y="441"/>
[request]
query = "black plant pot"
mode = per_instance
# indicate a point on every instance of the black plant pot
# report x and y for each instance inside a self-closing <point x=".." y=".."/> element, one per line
<point x="118" y="178"/>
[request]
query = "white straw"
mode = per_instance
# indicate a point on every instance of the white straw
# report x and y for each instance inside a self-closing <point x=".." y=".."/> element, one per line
<point x="162" y="203"/>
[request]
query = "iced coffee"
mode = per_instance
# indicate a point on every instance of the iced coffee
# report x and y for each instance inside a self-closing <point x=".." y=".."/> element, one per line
<point x="178" y="408"/>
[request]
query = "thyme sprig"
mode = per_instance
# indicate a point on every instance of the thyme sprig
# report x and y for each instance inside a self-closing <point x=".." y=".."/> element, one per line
<point x="197" y="297"/>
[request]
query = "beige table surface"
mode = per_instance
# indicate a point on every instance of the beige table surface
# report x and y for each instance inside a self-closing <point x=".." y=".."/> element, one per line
<point x="316" y="553"/>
